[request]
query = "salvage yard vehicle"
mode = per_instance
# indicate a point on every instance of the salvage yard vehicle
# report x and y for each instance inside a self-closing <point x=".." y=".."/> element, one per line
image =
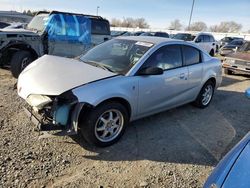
<point x="54" y="33"/>
<point x="231" y="47"/>
<point x="156" y="34"/>
<point x="238" y="61"/>
<point x="207" y="42"/>
<point x="233" y="169"/>
<point x="226" y="40"/>
<point x="184" y="36"/>
<point x="116" y="82"/>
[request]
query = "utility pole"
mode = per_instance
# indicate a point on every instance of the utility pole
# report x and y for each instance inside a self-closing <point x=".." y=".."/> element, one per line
<point x="97" y="8"/>
<point x="191" y="14"/>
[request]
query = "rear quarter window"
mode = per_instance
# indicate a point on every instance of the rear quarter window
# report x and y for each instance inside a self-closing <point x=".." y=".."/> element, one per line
<point x="191" y="55"/>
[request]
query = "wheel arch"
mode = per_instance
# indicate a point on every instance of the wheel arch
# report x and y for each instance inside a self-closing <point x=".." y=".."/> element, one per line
<point x="212" y="79"/>
<point x="87" y="107"/>
<point x="13" y="46"/>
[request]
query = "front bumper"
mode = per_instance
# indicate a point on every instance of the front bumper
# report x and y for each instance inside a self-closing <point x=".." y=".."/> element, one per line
<point x="226" y="52"/>
<point x="38" y="122"/>
<point x="237" y="68"/>
<point x="70" y="128"/>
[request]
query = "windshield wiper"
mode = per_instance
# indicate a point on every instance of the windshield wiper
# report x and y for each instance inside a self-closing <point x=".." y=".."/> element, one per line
<point x="95" y="64"/>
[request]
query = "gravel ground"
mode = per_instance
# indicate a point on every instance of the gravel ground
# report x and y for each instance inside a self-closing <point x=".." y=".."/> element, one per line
<point x="176" y="148"/>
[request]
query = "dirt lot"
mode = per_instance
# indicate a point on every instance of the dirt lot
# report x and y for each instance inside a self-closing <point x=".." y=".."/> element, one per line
<point x="177" y="148"/>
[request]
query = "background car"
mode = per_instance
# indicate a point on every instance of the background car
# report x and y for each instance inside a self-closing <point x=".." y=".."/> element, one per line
<point x="16" y="26"/>
<point x="117" y="33"/>
<point x="55" y="33"/>
<point x="226" y="40"/>
<point x="238" y="61"/>
<point x="184" y="36"/>
<point x="138" y="33"/>
<point x="231" y="47"/>
<point x="3" y="25"/>
<point x="121" y="80"/>
<point x="156" y="34"/>
<point x="233" y="169"/>
<point x="207" y="42"/>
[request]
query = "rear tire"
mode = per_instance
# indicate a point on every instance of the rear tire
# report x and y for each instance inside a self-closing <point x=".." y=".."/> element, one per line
<point x="19" y="61"/>
<point x="105" y="124"/>
<point x="205" y="96"/>
<point x="228" y="72"/>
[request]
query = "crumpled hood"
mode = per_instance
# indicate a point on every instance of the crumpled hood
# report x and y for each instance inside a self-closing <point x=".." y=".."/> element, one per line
<point x="52" y="75"/>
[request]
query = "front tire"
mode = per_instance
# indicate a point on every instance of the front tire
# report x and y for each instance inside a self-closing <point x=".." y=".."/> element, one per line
<point x="105" y="124"/>
<point x="205" y="96"/>
<point x="19" y="61"/>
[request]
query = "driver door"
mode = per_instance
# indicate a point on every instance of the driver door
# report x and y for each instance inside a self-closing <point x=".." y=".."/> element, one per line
<point x="160" y="92"/>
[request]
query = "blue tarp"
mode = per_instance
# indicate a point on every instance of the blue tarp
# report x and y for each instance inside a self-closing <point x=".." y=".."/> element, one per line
<point x="72" y="28"/>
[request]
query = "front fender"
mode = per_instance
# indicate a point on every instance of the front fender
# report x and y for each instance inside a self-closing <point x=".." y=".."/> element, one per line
<point x="124" y="87"/>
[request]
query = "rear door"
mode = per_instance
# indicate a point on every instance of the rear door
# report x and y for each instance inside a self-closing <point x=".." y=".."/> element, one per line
<point x="159" y="92"/>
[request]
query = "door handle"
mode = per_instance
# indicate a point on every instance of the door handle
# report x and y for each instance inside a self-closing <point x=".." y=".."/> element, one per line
<point x="182" y="75"/>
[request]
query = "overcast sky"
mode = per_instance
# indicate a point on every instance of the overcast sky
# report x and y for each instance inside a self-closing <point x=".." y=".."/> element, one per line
<point x="158" y="13"/>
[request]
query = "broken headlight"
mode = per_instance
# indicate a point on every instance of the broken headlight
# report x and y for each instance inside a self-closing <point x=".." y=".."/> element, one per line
<point x="38" y="101"/>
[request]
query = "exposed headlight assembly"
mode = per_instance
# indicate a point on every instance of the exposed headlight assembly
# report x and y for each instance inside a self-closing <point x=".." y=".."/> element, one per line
<point x="38" y="101"/>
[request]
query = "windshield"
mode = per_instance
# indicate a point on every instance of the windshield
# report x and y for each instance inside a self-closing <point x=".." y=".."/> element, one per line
<point x="117" y="55"/>
<point x="245" y="47"/>
<point x="38" y="22"/>
<point x="236" y="42"/>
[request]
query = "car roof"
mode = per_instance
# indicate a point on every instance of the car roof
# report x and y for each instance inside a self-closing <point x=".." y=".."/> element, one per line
<point x="149" y="39"/>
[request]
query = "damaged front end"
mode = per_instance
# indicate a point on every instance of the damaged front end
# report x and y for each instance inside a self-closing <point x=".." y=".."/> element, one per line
<point x="50" y="113"/>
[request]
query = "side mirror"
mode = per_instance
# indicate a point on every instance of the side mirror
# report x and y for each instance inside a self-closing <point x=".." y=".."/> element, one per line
<point x="150" y="71"/>
<point x="248" y="93"/>
<point x="198" y="40"/>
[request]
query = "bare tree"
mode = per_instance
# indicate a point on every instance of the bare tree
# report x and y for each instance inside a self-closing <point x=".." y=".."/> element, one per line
<point x="175" y="25"/>
<point x="129" y="22"/>
<point x="115" y="22"/>
<point x="141" y="23"/>
<point x="226" y="27"/>
<point x="197" y="26"/>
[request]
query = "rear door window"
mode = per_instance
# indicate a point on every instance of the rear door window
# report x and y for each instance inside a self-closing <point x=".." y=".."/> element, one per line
<point x="100" y="27"/>
<point x="200" y="38"/>
<point x="211" y="39"/>
<point x="191" y="55"/>
<point x="206" y="38"/>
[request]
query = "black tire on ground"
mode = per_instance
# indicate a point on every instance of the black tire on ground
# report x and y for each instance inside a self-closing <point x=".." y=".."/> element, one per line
<point x="211" y="52"/>
<point x="227" y="71"/>
<point x="19" y="61"/>
<point x="91" y="121"/>
<point x="199" y="100"/>
<point x="217" y="49"/>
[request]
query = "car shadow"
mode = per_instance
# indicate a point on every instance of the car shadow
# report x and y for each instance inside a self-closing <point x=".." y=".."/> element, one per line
<point x="182" y="135"/>
<point x="233" y="79"/>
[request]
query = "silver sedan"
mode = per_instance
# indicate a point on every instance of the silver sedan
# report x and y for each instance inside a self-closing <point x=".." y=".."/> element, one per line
<point x="119" y="81"/>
